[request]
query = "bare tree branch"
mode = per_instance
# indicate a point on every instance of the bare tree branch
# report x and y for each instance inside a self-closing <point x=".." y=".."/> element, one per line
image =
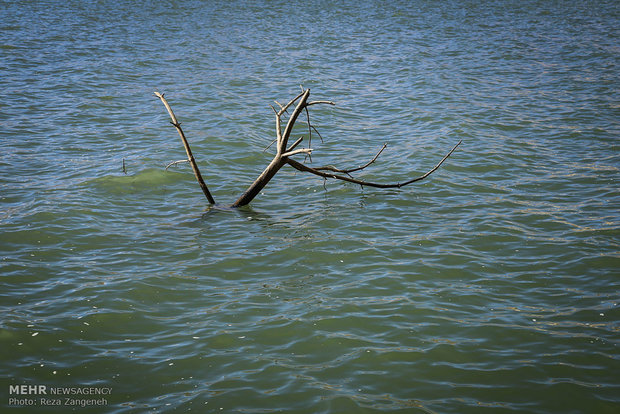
<point x="175" y="163"/>
<point x="309" y="126"/>
<point x="190" y="157"/>
<point x="338" y="170"/>
<point x="320" y="102"/>
<point x="291" y="102"/>
<point x="302" y="167"/>
<point x="318" y="133"/>
<point x="279" y="104"/>
<point x="280" y="158"/>
<point x="269" y="146"/>
<point x="284" y="153"/>
<point x="296" y="143"/>
<point x="291" y="121"/>
<point x="299" y="151"/>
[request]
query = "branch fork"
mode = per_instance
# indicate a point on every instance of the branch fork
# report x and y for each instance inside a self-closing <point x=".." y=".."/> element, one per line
<point x="284" y="152"/>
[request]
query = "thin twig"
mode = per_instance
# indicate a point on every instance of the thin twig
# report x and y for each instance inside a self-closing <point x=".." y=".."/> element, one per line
<point x="318" y="133"/>
<point x="278" y="128"/>
<point x="338" y="170"/>
<point x="279" y="121"/>
<point x="302" y="167"/>
<point x="296" y="143"/>
<point x="270" y="144"/>
<point x="175" y="163"/>
<point x="291" y="121"/>
<point x="291" y="102"/>
<point x="299" y="151"/>
<point x="320" y="102"/>
<point x="309" y="127"/>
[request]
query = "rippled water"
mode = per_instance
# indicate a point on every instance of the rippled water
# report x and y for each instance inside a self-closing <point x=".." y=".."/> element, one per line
<point x="492" y="286"/>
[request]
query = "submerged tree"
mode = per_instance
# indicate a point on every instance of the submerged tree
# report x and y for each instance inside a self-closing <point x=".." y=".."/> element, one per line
<point x="285" y="152"/>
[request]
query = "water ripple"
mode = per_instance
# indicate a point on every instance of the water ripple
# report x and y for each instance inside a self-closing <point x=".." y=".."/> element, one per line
<point x="489" y="286"/>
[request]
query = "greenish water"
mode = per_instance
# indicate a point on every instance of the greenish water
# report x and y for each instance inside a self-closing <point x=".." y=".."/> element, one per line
<point x="492" y="286"/>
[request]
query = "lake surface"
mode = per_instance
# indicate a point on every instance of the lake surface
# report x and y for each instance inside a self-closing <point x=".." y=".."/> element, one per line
<point x="491" y="286"/>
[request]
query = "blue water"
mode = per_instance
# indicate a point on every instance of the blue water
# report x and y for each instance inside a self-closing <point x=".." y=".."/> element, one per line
<point x="491" y="286"/>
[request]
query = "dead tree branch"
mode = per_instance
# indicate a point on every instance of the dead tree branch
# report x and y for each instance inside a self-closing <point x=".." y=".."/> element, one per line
<point x="175" y="163"/>
<point x="284" y="152"/>
<point x="338" y="170"/>
<point x="188" y="151"/>
<point x="302" y="167"/>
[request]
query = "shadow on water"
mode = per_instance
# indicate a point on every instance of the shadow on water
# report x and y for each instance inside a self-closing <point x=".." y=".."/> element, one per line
<point x="294" y="204"/>
<point x="246" y="213"/>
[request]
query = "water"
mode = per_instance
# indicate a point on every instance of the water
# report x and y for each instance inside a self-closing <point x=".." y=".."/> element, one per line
<point x="492" y="286"/>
